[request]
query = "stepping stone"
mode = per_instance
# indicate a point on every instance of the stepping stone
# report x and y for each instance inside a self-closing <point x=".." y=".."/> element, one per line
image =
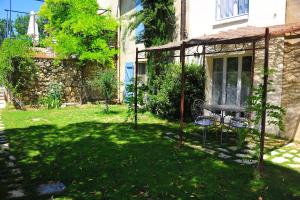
<point x="287" y="155"/>
<point x="10" y="164"/>
<point x="281" y="150"/>
<point x="290" y="145"/>
<point x="294" y="165"/>
<point x="297" y="159"/>
<point x="209" y="151"/>
<point x="16" y="193"/>
<point x="222" y="155"/>
<point x="170" y="133"/>
<point x="14" y="186"/>
<point x="16" y="171"/>
<point x="279" y="160"/>
<point x="233" y="148"/>
<point x="274" y="153"/>
<point x="248" y="151"/>
<point x="4" y="146"/>
<point x="293" y="151"/>
<point x="21" y="178"/>
<point x="240" y="155"/>
<point x="251" y="145"/>
<point x="11" y="158"/>
<point x="246" y="162"/>
<point x="224" y="150"/>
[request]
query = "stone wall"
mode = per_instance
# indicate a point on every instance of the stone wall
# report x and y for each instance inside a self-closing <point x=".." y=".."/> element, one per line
<point x="72" y="77"/>
<point x="276" y="54"/>
<point x="291" y="89"/>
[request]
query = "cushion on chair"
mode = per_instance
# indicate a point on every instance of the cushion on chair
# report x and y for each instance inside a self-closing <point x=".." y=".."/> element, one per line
<point x="239" y="122"/>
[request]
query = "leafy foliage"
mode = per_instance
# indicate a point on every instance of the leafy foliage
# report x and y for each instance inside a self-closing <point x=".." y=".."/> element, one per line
<point x="159" y="20"/>
<point x="274" y="113"/>
<point x="167" y="100"/>
<point x="2" y="30"/>
<point x="78" y="31"/>
<point x="107" y="82"/>
<point x="54" y="96"/>
<point x="17" y="68"/>
<point x="21" y="24"/>
<point x="141" y="97"/>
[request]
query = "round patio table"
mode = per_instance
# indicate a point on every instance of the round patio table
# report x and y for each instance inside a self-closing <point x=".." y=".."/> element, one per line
<point x="214" y="108"/>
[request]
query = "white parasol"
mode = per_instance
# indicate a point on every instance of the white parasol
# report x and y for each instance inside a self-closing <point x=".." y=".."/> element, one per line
<point x="33" y="30"/>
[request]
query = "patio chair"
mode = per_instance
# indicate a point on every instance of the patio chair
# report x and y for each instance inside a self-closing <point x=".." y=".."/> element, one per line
<point x="239" y="123"/>
<point x="200" y="119"/>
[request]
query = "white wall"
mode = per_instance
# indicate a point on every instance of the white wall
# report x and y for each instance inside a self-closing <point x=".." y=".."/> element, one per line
<point x="201" y="16"/>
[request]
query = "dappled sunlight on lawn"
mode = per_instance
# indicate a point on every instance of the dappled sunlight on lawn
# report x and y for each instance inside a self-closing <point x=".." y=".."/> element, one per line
<point x="100" y="156"/>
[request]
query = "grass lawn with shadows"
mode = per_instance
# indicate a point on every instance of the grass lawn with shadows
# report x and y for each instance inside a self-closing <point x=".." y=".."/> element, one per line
<point x="101" y="156"/>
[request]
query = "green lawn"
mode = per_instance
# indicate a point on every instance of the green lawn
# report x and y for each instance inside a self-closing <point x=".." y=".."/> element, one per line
<point x="100" y="156"/>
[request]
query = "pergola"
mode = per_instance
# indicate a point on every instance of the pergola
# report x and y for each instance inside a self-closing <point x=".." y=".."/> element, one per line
<point x="249" y="35"/>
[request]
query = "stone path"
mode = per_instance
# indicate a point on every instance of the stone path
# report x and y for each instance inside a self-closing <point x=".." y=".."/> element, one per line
<point x="11" y="177"/>
<point x="245" y="156"/>
<point x="288" y="155"/>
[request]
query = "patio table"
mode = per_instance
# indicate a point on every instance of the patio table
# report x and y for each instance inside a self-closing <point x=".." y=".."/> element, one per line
<point x="223" y="108"/>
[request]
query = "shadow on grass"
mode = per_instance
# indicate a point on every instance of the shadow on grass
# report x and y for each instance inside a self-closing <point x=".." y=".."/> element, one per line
<point x="113" y="161"/>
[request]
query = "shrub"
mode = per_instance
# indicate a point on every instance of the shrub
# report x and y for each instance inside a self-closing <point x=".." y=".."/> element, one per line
<point x="106" y="81"/>
<point x="54" y="96"/>
<point x="130" y="100"/>
<point x="166" y="101"/>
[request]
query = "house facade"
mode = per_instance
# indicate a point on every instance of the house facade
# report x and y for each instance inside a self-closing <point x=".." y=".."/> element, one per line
<point x="230" y="75"/>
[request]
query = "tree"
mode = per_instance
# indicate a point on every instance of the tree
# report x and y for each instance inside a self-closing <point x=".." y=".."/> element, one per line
<point x="79" y="32"/>
<point x="21" y="24"/>
<point x="159" y="20"/>
<point x="2" y="30"/>
<point x="17" y="68"/>
<point x="107" y="83"/>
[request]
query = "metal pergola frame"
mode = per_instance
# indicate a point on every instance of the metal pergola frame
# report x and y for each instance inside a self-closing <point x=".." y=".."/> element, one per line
<point x="263" y="34"/>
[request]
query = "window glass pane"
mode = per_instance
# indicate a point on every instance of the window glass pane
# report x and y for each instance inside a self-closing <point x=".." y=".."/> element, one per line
<point x="142" y="69"/>
<point x="142" y="72"/>
<point x="231" y="8"/>
<point x="243" y="6"/>
<point x="231" y="82"/>
<point x="246" y="79"/>
<point x="217" y="81"/>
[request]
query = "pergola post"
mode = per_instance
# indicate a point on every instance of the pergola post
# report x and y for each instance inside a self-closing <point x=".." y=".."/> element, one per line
<point x="182" y="61"/>
<point x="264" y="101"/>
<point x="136" y="87"/>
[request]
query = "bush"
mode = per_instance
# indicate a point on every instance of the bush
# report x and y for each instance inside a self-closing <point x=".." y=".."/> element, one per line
<point x="165" y="103"/>
<point x="130" y="100"/>
<point x="106" y="81"/>
<point x="54" y="96"/>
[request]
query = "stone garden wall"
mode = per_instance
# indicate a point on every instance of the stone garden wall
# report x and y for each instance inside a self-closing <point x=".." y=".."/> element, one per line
<point x="291" y="88"/>
<point x="72" y="77"/>
<point x="276" y="55"/>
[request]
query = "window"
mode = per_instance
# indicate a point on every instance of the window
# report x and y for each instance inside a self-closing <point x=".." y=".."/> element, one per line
<point x="231" y="8"/>
<point x="231" y="80"/>
<point x="142" y="73"/>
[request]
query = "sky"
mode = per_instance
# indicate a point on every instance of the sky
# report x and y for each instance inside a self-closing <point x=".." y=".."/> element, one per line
<point x="19" y="5"/>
